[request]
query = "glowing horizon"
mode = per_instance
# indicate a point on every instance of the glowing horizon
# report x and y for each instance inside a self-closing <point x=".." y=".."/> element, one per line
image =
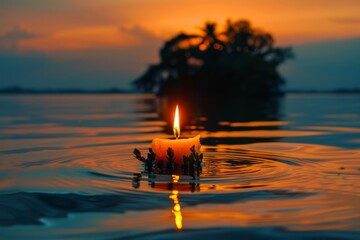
<point x="89" y="24"/>
<point x="100" y="44"/>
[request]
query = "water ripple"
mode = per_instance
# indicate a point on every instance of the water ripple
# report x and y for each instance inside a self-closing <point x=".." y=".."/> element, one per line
<point x="67" y="170"/>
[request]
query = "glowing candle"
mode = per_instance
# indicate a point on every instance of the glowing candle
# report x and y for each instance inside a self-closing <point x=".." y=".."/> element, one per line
<point x="181" y="147"/>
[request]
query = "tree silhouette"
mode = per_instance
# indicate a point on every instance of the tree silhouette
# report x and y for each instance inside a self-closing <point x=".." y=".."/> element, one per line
<point x="241" y="60"/>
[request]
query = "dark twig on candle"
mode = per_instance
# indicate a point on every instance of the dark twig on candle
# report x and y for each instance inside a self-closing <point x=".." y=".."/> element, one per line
<point x="192" y="164"/>
<point x="138" y="156"/>
<point x="161" y="167"/>
<point x="149" y="161"/>
<point x="171" y="164"/>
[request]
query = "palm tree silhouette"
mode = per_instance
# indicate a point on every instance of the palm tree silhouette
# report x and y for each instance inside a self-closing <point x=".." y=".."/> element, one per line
<point x="239" y="60"/>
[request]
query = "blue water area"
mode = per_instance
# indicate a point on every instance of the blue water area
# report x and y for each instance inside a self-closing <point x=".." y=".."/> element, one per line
<point x="283" y="168"/>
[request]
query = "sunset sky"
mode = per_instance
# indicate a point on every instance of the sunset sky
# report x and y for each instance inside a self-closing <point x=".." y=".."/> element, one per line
<point x="100" y="44"/>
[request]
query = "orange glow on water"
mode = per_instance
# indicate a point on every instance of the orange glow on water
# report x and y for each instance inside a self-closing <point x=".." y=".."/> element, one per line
<point x="175" y="178"/>
<point x="260" y="183"/>
<point x="177" y="209"/>
<point x="254" y="124"/>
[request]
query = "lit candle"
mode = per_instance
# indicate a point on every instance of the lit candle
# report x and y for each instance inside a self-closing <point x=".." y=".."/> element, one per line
<point x="181" y="147"/>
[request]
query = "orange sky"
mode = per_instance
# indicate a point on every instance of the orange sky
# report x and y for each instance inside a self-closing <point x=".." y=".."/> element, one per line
<point x="83" y="24"/>
<point x="97" y="44"/>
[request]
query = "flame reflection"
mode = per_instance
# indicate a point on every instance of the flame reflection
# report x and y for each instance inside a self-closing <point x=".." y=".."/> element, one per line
<point x="177" y="209"/>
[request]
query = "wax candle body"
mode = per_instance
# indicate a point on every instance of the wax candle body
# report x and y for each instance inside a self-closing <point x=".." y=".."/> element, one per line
<point x="181" y="148"/>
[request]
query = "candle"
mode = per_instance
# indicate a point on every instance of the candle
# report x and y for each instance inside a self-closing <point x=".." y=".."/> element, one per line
<point x="181" y="147"/>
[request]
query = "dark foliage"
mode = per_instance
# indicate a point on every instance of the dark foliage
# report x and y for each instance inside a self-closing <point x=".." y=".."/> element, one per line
<point x="241" y="60"/>
<point x="192" y="164"/>
<point x="149" y="161"/>
<point x="171" y="163"/>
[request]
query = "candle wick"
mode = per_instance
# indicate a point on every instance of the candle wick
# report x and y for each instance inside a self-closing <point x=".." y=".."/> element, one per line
<point x="176" y="132"/>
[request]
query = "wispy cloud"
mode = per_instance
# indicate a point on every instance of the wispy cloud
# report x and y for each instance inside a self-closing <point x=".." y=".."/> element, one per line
<point x="10" y="40"/>
<point x="90" y="58"/>
<point x="81" y="38"/>
<point x="346" y="20"/>
<point x="77" y="43"/>
<point x="141" y="34"/>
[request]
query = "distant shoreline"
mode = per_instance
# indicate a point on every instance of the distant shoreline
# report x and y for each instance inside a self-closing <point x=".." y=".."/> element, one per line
<point x="19" y="90"/>
<point x="337" y="91"/>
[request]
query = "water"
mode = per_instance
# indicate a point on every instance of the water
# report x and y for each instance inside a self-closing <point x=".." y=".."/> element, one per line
<point x="281" y="169"/>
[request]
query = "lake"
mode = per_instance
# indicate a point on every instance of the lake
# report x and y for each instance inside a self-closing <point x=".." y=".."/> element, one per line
<point x="276" y="169"/>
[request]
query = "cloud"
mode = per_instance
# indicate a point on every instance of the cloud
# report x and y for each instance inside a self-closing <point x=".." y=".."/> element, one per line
<point x="11" y="39"/>
<point x="104" y="59"/>
<point x="93" y="37"/>
<point x="141" y="34"/>
<point x="80" y="38"/>
<point x="346" y="20"/>
<point x="18" y="33"/>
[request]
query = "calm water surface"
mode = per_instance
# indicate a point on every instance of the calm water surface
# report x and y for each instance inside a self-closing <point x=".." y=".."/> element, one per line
<point x="282" y="169"/>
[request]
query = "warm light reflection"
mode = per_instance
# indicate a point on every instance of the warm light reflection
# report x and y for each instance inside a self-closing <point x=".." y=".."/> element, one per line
<point x="177" y="123"/>
<point x="204" y="46"/>
<point x="177" y="209"/>
<point x="175" y="178"/>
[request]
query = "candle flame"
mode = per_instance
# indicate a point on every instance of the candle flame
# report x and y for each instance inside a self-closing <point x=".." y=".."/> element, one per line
<point x="177" y="123"/>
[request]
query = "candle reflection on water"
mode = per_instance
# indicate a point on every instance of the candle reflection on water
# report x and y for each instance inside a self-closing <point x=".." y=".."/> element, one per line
<point x="177" y="208"/>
